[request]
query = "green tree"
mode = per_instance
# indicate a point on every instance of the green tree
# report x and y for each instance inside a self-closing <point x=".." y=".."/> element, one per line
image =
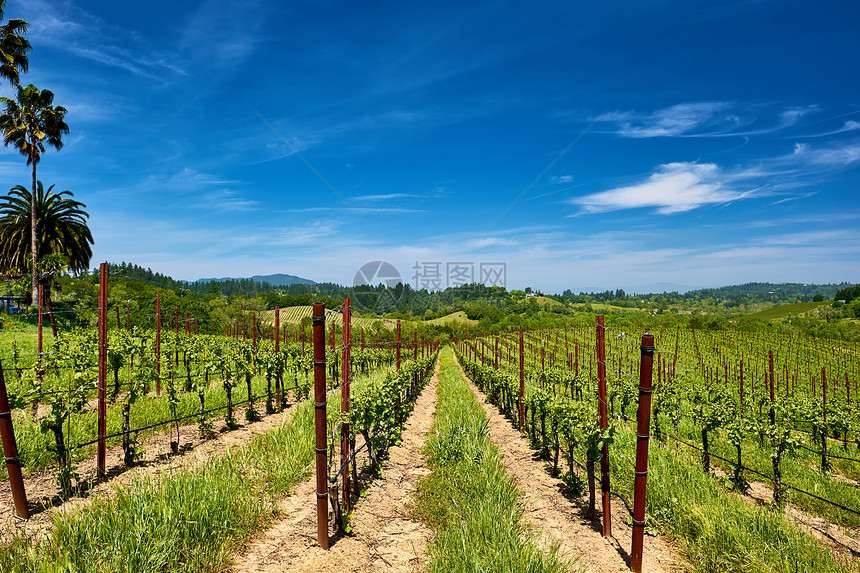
<point x="62" y="225"/>
<point x="13" y="47"/>
<point x="27" y="124"/>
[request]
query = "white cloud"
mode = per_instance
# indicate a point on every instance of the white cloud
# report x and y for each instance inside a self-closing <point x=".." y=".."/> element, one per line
<point x="791" y="116"/>
<point x="561" y="179"/>
<point x="672" y="121"/>
<point x="490" y="242"/>
<point x="834" y="156"/>
<point x="384" y="197"/>
<point x="227" y="200"/>
<point x="672" y="188"/>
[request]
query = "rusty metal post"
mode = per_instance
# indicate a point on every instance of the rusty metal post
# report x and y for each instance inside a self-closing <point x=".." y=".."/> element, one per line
<point x="415" y="344"/>
<point x="320" y="423"/>
<point x="278" y="381"/>
<point x="158" y="344"/>
<point x="643" y="423"/>
<point x="102" y="406"/>
<point x="742" y="387"/>
<point x="363" y="343"/>
<point x="522" y="386"/>
<point x="187" y="325"/>
<point x="344" y="404"/>
<point x="824" y="412"/>
<point x="10" y="452"/>
<point x="770" y="374"/>
<point x="39" y="320"/>
<point x="398" y="344"/>
<point x="303" y="339"/>
<point x="604" y="423"/>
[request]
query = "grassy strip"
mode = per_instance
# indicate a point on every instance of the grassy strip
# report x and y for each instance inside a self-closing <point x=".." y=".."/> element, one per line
<point x="719" y="531"/>
<point x="189" y="521"/>
<point x="470" y="503"/>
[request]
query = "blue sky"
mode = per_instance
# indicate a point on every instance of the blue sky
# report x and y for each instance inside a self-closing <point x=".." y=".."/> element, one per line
<point x="587" y="145"/>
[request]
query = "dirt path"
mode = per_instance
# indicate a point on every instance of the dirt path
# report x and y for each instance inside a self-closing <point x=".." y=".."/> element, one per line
<point x="43" y="492"/>
<point x="383" y="537"/>
<point x="560" y="518"/>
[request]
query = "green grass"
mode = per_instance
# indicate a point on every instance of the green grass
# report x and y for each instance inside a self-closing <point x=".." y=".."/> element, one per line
<point x="783" y="310"/>
<point x="799" y="469"/>
<point x="718" y="530"/>
<point x="458" y="317"/>
<point x="188" y="521"/>
<point x="469" y="501"/>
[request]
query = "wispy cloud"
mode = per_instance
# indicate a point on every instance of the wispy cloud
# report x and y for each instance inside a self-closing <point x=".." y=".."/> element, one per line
<point x="226" y="200"/>
<point x="222" y="34"/>
<point x="704" y="119"/>
<point x="836" y="156"/>
<point x="385" y="197"/>
<point x="67" y="27"/>
<point x="672" y="121"/>
<point x="672" y="188"/>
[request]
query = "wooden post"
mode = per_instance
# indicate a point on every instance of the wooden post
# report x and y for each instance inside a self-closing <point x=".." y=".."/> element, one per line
<point x="320" y="423"/>
<point x="10" y="452"/>
<point x="604" y="423"/>
<point x="643" y="422"/>
<point x="102" y="405"/>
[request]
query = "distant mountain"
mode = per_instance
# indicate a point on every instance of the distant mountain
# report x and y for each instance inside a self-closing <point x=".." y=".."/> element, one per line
<point x="274" y="280"/>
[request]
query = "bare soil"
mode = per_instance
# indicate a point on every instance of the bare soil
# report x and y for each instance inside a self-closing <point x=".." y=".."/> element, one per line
<point x="383" y="537"/>
<point x="44" y="496"/>
<point x="558" y="516"/>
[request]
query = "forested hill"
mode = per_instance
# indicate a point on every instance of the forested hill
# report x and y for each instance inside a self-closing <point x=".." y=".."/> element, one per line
<point x="766" y="292"/>
<point x="734" y="295"/>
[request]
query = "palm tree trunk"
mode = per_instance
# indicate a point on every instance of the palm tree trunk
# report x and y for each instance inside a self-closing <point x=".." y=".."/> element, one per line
<point x="33" y="246"/>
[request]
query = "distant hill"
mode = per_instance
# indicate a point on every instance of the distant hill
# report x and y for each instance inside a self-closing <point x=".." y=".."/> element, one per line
<point x="768" y="292"/>
<point x="279" y="279"/>
<point x="781" y="311"/>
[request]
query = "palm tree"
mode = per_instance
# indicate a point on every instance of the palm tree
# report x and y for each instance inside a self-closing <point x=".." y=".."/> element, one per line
<point x="27" y="125"/>
<point x="64" y="238"/>
<point x="13" y="47"/>
<point x="62" y="224"/>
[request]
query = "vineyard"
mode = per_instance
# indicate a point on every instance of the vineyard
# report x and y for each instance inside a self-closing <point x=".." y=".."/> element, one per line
<point x="688" y="449"/>
<point x="775" y="410"/>
<point x="295" y="315"/>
